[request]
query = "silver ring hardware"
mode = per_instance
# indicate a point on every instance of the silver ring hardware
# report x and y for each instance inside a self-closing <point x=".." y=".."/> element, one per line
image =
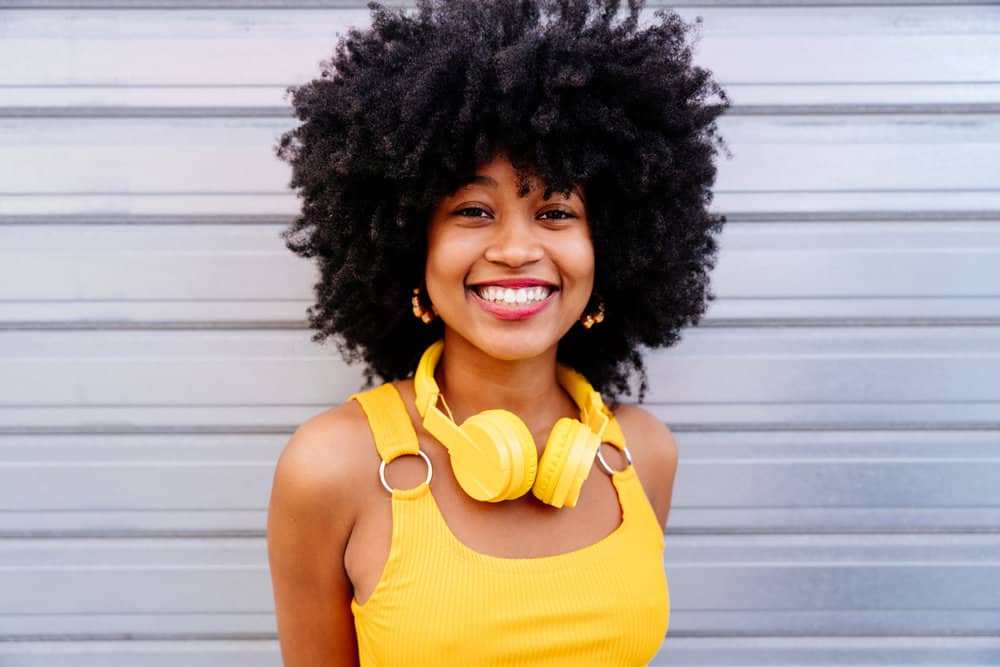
<point x="381" y="472"/>
<point x="607" y="468"/>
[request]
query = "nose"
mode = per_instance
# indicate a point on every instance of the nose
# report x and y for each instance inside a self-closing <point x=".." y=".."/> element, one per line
<point x="515" y="242"/>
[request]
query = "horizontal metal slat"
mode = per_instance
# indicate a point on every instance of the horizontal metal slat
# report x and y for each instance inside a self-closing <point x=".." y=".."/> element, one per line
<point x="119" y="485"/>
<point x="676" y="652"/>
<point x="876" y="44"/>
<point x="935" y="375"/>
<point x="161" y="653"/>
<point x="230" y="275"/>
<point x="827" y="651"/>
<point x="894" y="160"/>
<point x="761" y="582"/>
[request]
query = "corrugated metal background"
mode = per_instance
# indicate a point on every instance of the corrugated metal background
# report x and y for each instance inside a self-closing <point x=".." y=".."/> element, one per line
<point x="838" y="413"/>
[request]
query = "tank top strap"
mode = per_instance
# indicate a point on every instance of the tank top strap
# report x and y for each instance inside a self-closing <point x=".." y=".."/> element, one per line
<point x="389" y="421"/>
<point x="613" y="434"/>
<point x="631" y="493"/>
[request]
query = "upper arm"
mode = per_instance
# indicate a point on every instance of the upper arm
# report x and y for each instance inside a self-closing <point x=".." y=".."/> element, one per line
<point x="310" y="518"/>
<point x="654" y="454"/>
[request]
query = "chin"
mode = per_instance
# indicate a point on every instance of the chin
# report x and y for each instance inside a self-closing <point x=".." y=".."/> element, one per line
<point x="515" y="345"/>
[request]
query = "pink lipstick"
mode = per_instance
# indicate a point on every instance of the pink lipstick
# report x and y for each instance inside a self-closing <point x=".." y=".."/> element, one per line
<point x="514" y="298"/>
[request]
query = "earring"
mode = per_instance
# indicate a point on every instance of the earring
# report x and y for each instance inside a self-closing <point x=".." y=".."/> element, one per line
<point x="425" y="315"/>
<point x="594" y="317"/>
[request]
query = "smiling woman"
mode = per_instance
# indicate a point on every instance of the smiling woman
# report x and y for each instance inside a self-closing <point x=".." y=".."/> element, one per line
<point x="507" y="200"/>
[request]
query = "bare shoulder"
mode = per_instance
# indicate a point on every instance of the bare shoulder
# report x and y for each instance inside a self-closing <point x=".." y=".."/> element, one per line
<point x="320" y="471"/>
<point x="316" y="496"/>
<point x="654" y="453"/>
<point x="330" y="447"/>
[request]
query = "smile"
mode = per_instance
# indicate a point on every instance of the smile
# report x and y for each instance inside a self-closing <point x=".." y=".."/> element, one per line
<point x="513" y="303"/>
<point x="513" y="296"/>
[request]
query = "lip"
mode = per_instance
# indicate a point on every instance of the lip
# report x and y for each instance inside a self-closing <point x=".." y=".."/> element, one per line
<point x="515" y="283"/>
<point x="513" y="311"/>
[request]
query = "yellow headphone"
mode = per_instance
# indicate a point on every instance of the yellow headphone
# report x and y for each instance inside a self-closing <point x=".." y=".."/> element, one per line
<point x="493" y="455"/>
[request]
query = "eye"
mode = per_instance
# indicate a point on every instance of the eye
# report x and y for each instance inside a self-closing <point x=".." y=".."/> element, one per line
<point x="472" y="212"/>
<point x="562" y="215"/>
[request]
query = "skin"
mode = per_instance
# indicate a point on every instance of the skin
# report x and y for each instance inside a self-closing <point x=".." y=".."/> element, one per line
<point x="330" y="520"/>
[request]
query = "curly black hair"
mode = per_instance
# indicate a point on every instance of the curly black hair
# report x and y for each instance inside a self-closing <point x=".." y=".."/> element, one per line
<point x="572" y="94"/>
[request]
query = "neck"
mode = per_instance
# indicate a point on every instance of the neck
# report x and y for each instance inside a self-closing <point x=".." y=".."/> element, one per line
<point x="472" y="381"/>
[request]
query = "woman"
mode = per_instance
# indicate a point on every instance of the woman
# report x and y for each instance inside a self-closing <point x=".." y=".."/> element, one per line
<point x="506" y="200"/>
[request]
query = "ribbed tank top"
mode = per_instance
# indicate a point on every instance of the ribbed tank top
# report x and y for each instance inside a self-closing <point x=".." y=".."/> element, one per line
<point x="439" y="603"/>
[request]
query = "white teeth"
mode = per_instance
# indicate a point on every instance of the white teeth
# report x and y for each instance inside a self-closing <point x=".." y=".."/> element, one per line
<point x="509" y="296"/>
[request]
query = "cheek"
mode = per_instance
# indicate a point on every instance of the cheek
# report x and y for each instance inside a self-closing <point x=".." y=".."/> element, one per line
<point x="447" y="263"/>
<point x="579" y="261"/>
<point x="434" y="262"/>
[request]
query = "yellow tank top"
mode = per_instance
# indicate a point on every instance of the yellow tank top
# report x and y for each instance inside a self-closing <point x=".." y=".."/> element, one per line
<point x="440" y="603"/>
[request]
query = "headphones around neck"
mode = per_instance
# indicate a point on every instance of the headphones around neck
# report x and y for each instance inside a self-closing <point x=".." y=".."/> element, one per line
<point x="493" y="454"/>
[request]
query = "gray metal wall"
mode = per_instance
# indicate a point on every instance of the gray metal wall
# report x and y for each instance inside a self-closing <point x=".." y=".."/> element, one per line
<point x="838" y="413"/>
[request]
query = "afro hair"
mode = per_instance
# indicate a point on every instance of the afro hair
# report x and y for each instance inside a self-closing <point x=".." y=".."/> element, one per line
<point x="575" y="95"/>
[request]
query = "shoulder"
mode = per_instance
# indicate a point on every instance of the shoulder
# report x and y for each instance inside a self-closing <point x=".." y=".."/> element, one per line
<point x="318" y="470"/>
<point x="654" y="454"/>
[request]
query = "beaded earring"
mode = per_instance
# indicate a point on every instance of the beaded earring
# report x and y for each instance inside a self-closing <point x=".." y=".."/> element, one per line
<point x="596" y="316"/>
<point x="425" y="315"/>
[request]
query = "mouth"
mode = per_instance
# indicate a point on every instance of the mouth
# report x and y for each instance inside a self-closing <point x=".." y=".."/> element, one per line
<point x="514" y="296"/>
<point x="514" y="302"/>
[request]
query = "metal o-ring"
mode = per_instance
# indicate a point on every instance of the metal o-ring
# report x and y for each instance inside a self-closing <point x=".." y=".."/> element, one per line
<point x="381" y="471"/>
<point x="607" y="468"/>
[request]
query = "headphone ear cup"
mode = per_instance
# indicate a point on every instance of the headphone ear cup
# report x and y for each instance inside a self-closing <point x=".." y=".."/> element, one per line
<point x="566" y="463"/>
<point x="507" y="458"/>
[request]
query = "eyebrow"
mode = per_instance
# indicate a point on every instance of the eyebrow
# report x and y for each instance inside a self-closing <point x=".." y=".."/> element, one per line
<point x="482" y="179"/>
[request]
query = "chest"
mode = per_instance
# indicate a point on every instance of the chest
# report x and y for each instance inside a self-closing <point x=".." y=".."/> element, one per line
<point x="594" y="613"/>
<point x="523" y="528"/>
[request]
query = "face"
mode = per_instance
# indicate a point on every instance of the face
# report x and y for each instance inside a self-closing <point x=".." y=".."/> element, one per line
<point x="509" y="274"/>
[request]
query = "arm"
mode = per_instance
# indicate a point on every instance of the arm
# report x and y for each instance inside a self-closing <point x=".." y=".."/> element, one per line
<point x="310" y="518"/>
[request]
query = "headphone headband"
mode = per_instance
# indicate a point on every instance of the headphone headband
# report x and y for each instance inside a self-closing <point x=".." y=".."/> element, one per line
<point x="593" y="412"/>
<point x="424" y="383"/>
